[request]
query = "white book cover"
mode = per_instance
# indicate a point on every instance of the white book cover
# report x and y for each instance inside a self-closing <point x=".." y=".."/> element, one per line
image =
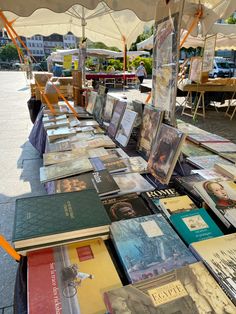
<point x="126" y="127"/>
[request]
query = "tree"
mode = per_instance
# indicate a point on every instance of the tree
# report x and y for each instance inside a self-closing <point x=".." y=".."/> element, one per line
<point x="100" y="45"/>
<point x="8" y="53"/>
<point x="147" y="63"/>
<point x="231" y="20"/>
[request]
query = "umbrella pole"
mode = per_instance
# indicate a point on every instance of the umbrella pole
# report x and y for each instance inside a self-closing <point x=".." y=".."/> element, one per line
<point x="83" y="24"/>
<point x="125" y="54"/>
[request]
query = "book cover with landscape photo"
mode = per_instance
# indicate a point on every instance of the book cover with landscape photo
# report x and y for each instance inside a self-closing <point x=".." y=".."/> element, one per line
<point x="177" y="204"/>
<point x="148" y="246"/>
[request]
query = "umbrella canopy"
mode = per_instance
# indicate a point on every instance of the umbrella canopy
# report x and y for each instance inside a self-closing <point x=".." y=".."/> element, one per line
<point x="101" y="24"/>
<point x="60" y="53"/>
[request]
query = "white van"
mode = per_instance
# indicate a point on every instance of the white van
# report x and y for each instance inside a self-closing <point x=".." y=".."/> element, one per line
<point x="221" y="68"/>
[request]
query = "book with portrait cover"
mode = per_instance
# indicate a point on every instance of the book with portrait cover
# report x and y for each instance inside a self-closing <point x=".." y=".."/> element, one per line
<point x="219" y="255"/>
<point x="177" y="204"/>
<point x="227" y="147"/>
<point x="91" y="102"/>
<point x="195" y="225"/>
<point x="189" y="289"/>
<point x="65" y="169"/>
<point x="150" y="124"/>
<point x="69" y="279"/>
<point x="148" y="246"/>
<point x="125" y="207"/>
<point x="132" y="183"/>
<point x="220" y="196"/>
<point x="109" y="107"/>
<point x="58" y="218"/>
<point x="125" y="128"/>
<point x="116" y="118"/>
<point x="153" y="197"/>
<point x="165" y="152"/>
<point x="206" y="162"/>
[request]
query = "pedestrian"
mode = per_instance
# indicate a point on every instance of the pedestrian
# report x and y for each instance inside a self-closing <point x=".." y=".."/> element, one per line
<point x="141" y="72"/>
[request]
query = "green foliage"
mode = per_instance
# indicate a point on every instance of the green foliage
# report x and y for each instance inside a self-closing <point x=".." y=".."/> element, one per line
<point x="141" y="37"/>
<point x="100" y="45"/>
<point x="115" y="63"/>
<point x="147" y="63"/>
<point x="231" y="20"/>
<point x="8" y="53"/>
<point x="89" y="62"/>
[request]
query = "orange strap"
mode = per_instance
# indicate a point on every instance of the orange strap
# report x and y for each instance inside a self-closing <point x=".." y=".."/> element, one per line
<point x="9" y="249"/>
<point x="45" y="98"/>
<point x="148" y="97"/>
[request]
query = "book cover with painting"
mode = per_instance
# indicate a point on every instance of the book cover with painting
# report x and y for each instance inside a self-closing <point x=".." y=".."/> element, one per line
<point x="98" y="108"/>
<point x="206" y="162"/>
<point x="136" y="164"/>
<point x="61" y="146"/>
<point x="111" y="163"/>
<point x="58" y="157"/>
<point x="153" y="197"/>
<point x="195" y="225"/>
<point x="125" y="128"/>
<point x="125" y="207"/>
<point x="116" y="118"/>
<point x="220" y="196"/>
<point x="148" y="246"/>
<point x="132" y="183"/>
<point x="177" y="204"/>
<point x="109" y="107"/>
<point x="69" y="279"/>
<point x="75" y="183"/>
<point x="91" y="102"/>
<point x="165" y="152"/>
<point x="219" y="255"/>
<point x="227" y="147"/>
<point x="191" y="149"/>
<point x="150" y="124"/>
<point x="189" y="289"/>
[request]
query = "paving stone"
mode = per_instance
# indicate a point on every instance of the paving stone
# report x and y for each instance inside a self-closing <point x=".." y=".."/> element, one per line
<point x="7" y="212"/>
<point x="8" y="310"/>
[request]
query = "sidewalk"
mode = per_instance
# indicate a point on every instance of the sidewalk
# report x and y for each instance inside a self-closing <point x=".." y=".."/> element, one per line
<point x="19" y="171"/>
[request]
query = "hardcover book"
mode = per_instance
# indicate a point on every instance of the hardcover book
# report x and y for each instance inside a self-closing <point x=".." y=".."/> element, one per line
<point x="118" y="152"/>
<point x="132" y="183"/>
<point x="58" y="157"/>
<point x="206" y="162"/>
<point x="125" y="207"/>
<point x="97" y="152"/>
<point x="88" y="123"/>
<point x="190" y="149"/>
<point x="227" y="170"/>
<point x="104" y="183"/>
<point x="220" y="196"/>
<point x="153" y="197"/>
<point x="98" y="108"/>
<point x="229" y="156"/>
<point x="109" y="107"/>
<point x="62" y="146"/>
<point x="116" y="118"/>
<point x="150" y="124"/>
<point x="205" y="138"/>
<point x="136" y="164"/>
<point x="165" y="152"/>
<point x="148" y="246"/>
<point x="177" y="204"/>
<point x="91" y="102"/>
<point x="54" y="134"/>
<point x="65" y="169"/>
<point x="69" y="279"/>
<point x="137" y="106"/>
<point x="57" y="218"/>
<point x="188" y="128"/>
<point x="75" y="183"/>
<point x="126" y="126"/>
<point x="48" y="118"/>
<point x="209" y="174"/>
<point x="217" y="148"/>
<point x="195" y="225"/>
<point x="187" y="183"/>
<point x="111" y="163"/>
<point x="189" y="289"/>
<point x="219" y="255"/>
<point x="56" y="124"/>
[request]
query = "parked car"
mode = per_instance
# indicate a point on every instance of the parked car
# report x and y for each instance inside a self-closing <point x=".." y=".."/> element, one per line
<point x="221" y="68"/>
<point x="232" y="68"/>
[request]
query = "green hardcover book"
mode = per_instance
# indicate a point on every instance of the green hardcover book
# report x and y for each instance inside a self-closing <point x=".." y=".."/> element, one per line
<point x="195" y="225"/>
<point x="59" y="218"/>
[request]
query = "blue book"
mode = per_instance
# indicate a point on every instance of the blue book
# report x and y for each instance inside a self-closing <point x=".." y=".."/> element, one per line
<point x="147" y="246"/>
<point x="195" y="225"/>
<point x="97" y="164"/>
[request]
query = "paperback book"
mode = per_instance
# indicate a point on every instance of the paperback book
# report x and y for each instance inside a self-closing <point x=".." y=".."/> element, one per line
<point x="165" y="152"/>
<point x="116" y="118"/>
<point x="148" y="246"/>
<point x="137" y="106"/>
<point x="118" y="152"/>
<point x="125" y="128"/>
<point x="219" y="255"/>
<point x="47" y="118"/>
<point x="69" y="279"/>
<point x="56" y="124"/>
<point x="152" y="119"/>
<point x="104" y="183"/>
<point x="195" y="225"/>
<point x="153" y="197"/>
<point x="177" y="204"/>
<point x="220" y="196"/>
<point x="58" y="218"/>
<point x="125" y="207"/>
<point x="189" y="289"/>
<point x="188" y="128"/>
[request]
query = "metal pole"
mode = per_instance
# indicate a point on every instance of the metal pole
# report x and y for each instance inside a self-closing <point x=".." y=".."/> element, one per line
<point x="83" y="24"/>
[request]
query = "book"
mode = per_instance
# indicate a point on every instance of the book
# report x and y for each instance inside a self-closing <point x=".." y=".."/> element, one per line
<point x="206" y="162"/>
<point x="98" y="108"/>
<point x="220" y="196"/>
<point x="54" y="134"/>
<point x="125" y="207"/>
<point x="88" y="123"/>
<point x="58" y="157"/>
<point x="137" y="106"/>
<point x="195" y="225"/>
<point x="65" y="169"/>
<point x="177" y="204"/>
<point x="136" y="164"/>
<point x="206" y="137"/>
<point x="56" y="124"/>
<point x="48" y="118"/>
<point x="109" y="107"/>
<point x="186" y="183"/>
<point x="228" y="170"/>
<point x="125" y="128"/>
<point x="165" y="152"/>
<point x="97" y="152"/>
<point x="190" y="149"/>
<point x="188" y="128"/>
<point x="94" y="142"/>
<point x="229" y="156"/>
<point x="209" y="174"/>
<point x="219" y="255"/>
<point x="153" y="197"/>
<point x="189" y="289"/>
<point x="150" y="124"/>
<point x="75" y="183"/>
<point x="104" y="183"/>
<point x="116" y="118"/>
<point x="132" y="183"/>
<point x="111" y="163"/>
<point x="118" y="152"/>
<point x="148" y="246"/>
<point x="69" y="278"/>
<point x="217" y="148"/>
<point x="57" y="218"/>
<point x="62" y="146"/>
<point x="91" y="102"/>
